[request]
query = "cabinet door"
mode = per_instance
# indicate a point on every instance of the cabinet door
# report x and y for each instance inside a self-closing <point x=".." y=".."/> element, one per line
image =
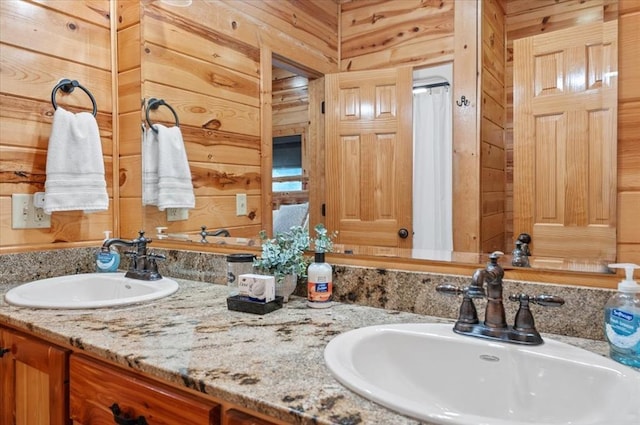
<point x="33" y="381"/>
<point x="95" y="388"/>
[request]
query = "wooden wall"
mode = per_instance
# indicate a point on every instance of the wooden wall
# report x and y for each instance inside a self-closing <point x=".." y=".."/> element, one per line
<point x="492" y="151"/>
<point x="628" y="227"/>
<point x="41" y="43"/>
<point x="382" y="34"/>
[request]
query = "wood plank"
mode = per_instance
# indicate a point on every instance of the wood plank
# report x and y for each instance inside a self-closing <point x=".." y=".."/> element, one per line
<point x="432" y="52"/>
<point x="628" y="213"/>
<point x="369" y="28"/>
<point x="129" y="91"/>
<point x="628" y="146"/>
<point x="171" y="68"/>
<point x="238" y="25"/>
<point x="215" y="212"/>
<point x="629" y="58"/>
<point x="129" y="48"/>
<point x="128" y="13"/>
<point x="23" y="170"/>
<point x="204" y="111"/>
<point x="558" y="16"/>
<point x="27" y="123"/>
<point x="492" y="134"/>
<point x="32" y="27"/>
<point x="493" y="157"/>
<point x="94" y="11"/>
<point x="29" y="74"/>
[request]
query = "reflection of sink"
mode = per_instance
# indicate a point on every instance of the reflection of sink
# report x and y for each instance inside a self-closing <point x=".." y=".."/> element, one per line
<point x="428" y="372"/>
<point x="92" y="290"/>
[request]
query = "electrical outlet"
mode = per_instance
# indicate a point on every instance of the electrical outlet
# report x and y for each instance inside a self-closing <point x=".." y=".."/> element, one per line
<point x="241" y="204"/>
<point x="177" y="214"/>
<point x="25" y="214"/>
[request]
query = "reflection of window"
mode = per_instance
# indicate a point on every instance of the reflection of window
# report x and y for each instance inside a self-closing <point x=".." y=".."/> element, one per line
<point x="287" y="163"/>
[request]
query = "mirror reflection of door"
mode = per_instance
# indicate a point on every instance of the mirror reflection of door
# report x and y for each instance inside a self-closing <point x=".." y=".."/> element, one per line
<point x="565" y="102"/>
<point x="369" y="157"/>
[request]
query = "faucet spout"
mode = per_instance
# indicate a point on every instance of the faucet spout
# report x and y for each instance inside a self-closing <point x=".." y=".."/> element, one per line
<point x="487" y="283"/>
<point x="143" y="265"/>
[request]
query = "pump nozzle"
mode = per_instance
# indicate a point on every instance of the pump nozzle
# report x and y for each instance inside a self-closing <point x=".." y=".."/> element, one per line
<point x="628" y="284"/>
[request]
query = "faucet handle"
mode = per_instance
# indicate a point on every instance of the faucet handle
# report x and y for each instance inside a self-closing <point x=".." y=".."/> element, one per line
<point x="543" y="300"/>
<point x="449" y="289"/>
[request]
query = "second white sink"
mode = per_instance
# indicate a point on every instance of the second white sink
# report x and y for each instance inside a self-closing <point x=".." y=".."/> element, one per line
<point x="90" y="290"/>
<point x="428" y="372"/>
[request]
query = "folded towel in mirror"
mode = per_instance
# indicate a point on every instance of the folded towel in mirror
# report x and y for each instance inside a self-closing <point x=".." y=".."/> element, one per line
<point x="75" y="165"/>
<point x="166" y="174"/>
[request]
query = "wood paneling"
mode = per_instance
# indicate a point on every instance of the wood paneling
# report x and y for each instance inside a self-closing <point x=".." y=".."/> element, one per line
<point x="383" y="34"/>
<point x="466" y="145"/>
<point x="492" y="152"/>
<point x="41" y="43"/>
<point x="628" y="225"/>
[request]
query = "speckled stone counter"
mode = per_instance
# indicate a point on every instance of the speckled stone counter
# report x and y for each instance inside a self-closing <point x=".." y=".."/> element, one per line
<point x="272" y="364"/>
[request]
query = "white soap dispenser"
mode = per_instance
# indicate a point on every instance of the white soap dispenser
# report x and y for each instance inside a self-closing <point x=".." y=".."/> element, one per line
<point x="319" y="283"/>
<point x="622" y="319"/>
<point x="107" y="260"/>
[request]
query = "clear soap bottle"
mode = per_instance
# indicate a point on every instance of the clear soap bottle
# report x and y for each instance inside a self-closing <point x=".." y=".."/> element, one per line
<point x="622" y="319"/>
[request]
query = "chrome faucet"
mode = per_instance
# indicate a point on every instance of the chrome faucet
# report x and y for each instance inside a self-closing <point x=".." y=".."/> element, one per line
<point x="487" y="283"/>
<point x="143" y="265"/>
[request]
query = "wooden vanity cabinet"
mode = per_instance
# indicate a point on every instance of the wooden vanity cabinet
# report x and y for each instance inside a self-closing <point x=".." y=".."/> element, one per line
<point x="96" y="388"/>
<point x="33" y="381"/>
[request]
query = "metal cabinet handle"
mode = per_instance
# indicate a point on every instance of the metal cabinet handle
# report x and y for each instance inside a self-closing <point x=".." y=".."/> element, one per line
<point x="403" y="233"/>
<point x="122" y="419"/>
<point x="4" y="351"/>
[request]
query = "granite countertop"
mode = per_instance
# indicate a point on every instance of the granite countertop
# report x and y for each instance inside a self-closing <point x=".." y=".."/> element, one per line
<point x="272" y="364"/>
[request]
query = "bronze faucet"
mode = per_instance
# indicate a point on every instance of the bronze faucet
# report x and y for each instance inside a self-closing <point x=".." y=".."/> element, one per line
<point x="143" y="265"/>
<point x="220" y="232"/>
<point x="487" y="283"/>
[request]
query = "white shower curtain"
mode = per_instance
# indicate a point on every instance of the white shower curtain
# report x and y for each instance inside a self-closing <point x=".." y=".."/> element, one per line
<point x="432" y="175"/>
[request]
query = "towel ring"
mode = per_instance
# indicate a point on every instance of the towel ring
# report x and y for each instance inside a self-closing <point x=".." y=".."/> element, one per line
<point x="155" y="104"/>
<point x="67" y="86"/>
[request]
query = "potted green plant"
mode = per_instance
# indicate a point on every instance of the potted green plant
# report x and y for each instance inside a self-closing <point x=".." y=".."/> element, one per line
<point x="284" y="255"/>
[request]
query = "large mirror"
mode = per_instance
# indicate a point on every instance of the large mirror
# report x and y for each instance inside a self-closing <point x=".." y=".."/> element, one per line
<point x="214" y="78"/>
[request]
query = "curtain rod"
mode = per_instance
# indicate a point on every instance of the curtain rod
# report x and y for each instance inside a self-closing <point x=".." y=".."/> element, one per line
<point x="432" y="86"/>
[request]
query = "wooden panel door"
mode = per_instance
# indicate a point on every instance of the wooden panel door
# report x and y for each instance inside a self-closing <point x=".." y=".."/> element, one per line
<point x="369" y="157"/>
<point x="565" y="106"/>
<point x="33" y="381"/>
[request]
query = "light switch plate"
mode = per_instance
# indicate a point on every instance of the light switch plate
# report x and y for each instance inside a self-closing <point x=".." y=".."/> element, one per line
<point x="25" y="215"/>
<point x="177" y="214"/>
<point x="241" y="204"/>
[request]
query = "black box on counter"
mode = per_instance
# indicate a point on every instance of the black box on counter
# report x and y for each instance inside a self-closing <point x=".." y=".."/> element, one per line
<point x="247" y="305"/>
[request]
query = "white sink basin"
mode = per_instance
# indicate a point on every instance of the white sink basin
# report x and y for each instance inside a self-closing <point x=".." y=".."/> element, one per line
<point x="91" y="290"/>
<point x="428" y="372"/>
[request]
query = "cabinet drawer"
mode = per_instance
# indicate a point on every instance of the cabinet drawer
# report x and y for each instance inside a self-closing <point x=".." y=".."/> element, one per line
<point x="96" y="387"/>
<point x="236" y="417"/>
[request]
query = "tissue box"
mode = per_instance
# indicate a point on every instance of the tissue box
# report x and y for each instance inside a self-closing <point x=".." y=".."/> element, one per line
<point x="257" y="287"/>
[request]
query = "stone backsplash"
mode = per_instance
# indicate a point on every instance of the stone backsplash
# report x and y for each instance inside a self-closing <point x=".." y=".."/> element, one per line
<point x="581" y="316"/>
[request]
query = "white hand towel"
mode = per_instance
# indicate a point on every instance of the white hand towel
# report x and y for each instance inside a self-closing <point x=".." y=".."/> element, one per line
<point x="150" y="168"/>
<point x="169" y="176"/>
<point x="75" y="165"/>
